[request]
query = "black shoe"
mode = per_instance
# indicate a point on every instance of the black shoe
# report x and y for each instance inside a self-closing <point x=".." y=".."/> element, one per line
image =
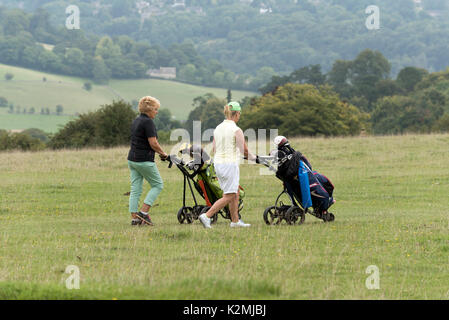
<point x="136" y="222"/>
<point x="145" y="218"/>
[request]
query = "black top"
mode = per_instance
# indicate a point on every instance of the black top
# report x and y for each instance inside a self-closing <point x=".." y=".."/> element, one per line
<point x="142" y="128"/>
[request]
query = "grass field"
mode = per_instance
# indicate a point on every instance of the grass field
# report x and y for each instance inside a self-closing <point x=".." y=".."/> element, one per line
<point x="68" y="208"/>
<point x="48" y="123"/>
<point x="28" y="90"/>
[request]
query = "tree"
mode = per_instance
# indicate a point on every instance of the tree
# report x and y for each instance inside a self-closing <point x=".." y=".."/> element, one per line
<point x="3" y="102"/>
<point x="164" y="121"/>
<point x="303" y="109"/>
<point x="49" y="61"/>
<point x="187" y="72"/>
<point x="19" y="141"/>
<point x="106" y="48"/>
<point x="113" y="124"/>
<point x="37" y="134"/>
<point x="109" y="126"/>
<point x="366" y="70"/>
<point x="310" y="74"/>
<point x="74" y="58"/>
<point x="87" y="86"/>
<point x="208" y="109"/>
<point x="401" y="114"/>
<point x="229" y="96"/>
<point x="409" y="77"/>
<point x="340" y="78"/>
<point x="101" y="72"/>
<point x="15" y="22"/>
<point x="276" y="81"/>
<point x="59" y="109"/>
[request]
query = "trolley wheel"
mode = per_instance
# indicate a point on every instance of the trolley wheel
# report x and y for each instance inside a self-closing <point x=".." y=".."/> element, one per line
<point x="215" y="216"/>
<point x="185" y="215"/>
<point x="272" y="215"/>
<point x="227" y="214"/>
<point x="197" y="211"/>
<point x="295" y="215"/>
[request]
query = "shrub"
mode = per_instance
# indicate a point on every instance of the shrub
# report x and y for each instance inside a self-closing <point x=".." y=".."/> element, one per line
<point x="3" y="102"/>
<point x="87" y="86"/>
<point x="107" y="127"/>
<point x="303" y="109"/>
<point x="19" y="141"/>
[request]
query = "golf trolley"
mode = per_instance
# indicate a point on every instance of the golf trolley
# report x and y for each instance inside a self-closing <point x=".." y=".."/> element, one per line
<point x="200" y="174"/>
<point x="292" y="214"/>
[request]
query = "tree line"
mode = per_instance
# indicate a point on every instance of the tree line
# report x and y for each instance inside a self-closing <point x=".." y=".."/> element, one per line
<point x="284" y="35"/>
<point x="29" y="40"/>
<point x="355" y="96"/>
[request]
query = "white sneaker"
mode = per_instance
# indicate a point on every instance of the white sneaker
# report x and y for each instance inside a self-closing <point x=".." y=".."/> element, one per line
<point x="205" y="221"/>
<point x="239" y="224"/>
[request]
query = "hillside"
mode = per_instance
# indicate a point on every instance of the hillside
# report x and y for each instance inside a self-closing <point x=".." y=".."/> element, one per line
<point x="27" y="89"/>
<point x="246" y="36"/>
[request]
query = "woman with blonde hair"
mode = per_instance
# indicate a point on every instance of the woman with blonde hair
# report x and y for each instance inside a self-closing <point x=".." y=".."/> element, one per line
<point x="228" y="145"/>
<point x="144" y="145"/>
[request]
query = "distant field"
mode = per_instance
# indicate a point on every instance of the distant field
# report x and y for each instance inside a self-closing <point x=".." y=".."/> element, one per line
<point x="49" y="123"/>
<point x="176" y="96"/>
<point x="68" y="208"/>
<point x="27" y="89"/>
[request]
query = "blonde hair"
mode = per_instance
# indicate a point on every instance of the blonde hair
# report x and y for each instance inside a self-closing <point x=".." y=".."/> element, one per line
<point x="148" y="103"/>
<point x="228" y="112"/>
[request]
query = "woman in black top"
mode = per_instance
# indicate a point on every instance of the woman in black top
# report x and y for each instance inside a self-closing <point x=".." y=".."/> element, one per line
<point x="141" y="163"/>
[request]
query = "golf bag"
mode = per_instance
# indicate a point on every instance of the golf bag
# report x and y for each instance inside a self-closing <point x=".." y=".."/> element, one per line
<point x="301" y="182"/>
<point x="200" y="173"/>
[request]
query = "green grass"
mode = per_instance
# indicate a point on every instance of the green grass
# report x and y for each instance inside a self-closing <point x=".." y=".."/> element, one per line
<point x="28" y="90"/>
<point x="49" y="123"/>
<point x="68" y="208"/>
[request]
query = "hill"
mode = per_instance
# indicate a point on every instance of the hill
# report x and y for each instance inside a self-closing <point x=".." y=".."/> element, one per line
<point x="27" y="89"/>
<point x="246" y="36"/>
<point x="391" y="212"/>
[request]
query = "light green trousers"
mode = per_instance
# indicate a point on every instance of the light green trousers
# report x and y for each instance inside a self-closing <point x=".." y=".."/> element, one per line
<point x="139" y="171"/>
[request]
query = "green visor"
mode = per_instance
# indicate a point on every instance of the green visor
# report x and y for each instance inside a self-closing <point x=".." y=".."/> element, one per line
<point x="235" y="106"/>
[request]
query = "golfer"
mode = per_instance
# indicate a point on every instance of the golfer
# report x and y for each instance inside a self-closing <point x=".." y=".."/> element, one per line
<point x="141" y="163"/>
<point x="228" y="145"/>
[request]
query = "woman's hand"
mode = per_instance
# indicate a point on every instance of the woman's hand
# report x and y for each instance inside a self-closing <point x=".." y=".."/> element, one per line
<point x="163" y="156"/>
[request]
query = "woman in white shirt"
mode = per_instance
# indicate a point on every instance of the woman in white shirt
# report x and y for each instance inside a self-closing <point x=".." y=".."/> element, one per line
<point x="228" y="145"/>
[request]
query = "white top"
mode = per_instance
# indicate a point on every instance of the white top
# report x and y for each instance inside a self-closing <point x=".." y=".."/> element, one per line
<point x="226" y="150"/>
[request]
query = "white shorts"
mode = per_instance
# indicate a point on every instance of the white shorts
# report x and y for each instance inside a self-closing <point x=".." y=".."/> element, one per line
<point x="228" y="175"/>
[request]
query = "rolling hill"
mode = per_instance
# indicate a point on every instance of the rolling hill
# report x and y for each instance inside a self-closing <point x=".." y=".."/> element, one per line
<point x="29" y="90"/>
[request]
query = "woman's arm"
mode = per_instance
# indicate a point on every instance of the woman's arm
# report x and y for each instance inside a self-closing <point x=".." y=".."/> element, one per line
<point x="157" y="147"/>
<point x="241" y="144"/>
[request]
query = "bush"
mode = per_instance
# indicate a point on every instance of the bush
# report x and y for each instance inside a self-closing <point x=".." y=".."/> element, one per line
<point x="107" y="127"/>
<point x="38" y="134"/>
<point x="87" y="86"/>
<point x="303" y="109"/>
<point x="208" y="109"/>
<point x="3" y="102"/>
<point x="59" y="109"/>
<point x="19" y="141"/>
<point x="9" y="76"/>
<point x="442" y="124"/>
<point x="409" y="114"/>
